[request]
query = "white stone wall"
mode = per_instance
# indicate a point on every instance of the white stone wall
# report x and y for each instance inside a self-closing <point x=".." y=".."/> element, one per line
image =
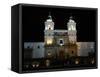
<point x="28" y="45"/>
<point x="38" y="48"/>
<point x="84" y="48"/>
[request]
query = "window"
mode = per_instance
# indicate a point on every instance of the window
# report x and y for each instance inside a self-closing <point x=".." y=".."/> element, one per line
<point x="38" y="46"/>
<point x="49" y="28"/>
<point x="72" y="27"/>
<point x="72" y="52"/>
<point x="28" y="46"/>
<point x="61" y="42"/>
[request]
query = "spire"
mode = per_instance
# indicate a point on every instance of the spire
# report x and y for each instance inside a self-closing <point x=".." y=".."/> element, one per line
<point x="71" y="17"/>
<point x="49" y="16"/>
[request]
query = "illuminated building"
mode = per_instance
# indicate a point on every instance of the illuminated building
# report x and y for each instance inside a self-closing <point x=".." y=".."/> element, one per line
<point x="59" y="43"/>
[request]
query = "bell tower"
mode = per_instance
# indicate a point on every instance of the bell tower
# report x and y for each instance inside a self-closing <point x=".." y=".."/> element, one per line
<point x="71" y="25"/>
<point x="49" y="30"/>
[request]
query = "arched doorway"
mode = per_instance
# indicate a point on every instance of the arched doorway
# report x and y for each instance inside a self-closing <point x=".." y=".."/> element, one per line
<point x="61" y="54"/>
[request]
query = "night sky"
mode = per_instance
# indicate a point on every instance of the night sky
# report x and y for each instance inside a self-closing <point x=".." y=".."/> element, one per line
<point x="33" y="19"/>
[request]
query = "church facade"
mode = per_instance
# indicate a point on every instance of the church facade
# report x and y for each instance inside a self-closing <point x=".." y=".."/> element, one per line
<point x="60" y="43"/>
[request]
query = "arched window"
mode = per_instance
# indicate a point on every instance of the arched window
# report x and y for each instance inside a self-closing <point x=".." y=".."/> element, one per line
<point x="38" y="46"/>
<point x="49" y="28"/>
<point x="28" y="46"/>
<point x="72" y="52"/>
<point x="61" y="42"/>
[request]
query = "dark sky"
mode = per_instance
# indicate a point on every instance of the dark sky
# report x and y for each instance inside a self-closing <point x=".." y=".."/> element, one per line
<point x="33" y="19"/>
